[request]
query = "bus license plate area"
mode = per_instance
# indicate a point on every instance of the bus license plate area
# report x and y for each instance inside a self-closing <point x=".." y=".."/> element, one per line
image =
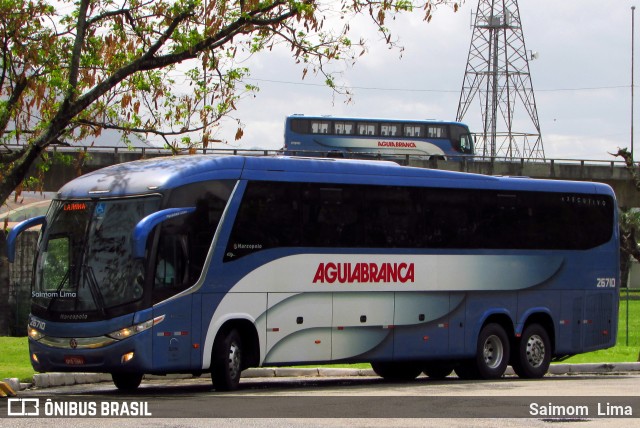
<point x="74" y="360"/>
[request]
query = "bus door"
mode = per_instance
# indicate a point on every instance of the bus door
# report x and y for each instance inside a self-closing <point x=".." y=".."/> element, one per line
<point x="174" y="336"/>
<point x="298" y="327"/>
<point x="362" y="321"/>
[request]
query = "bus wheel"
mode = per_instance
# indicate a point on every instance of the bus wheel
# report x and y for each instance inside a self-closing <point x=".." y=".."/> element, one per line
<point x="226" y="361"/>
<point x="437" y="371"/>
<point x="534" y="353"/>
<point x="396" y="371"/>
<point x="126" y="381"/>
<point x="492" y="353"/>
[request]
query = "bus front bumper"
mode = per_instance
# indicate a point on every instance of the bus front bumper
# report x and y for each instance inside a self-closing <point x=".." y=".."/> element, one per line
<point x="131" y="355"/>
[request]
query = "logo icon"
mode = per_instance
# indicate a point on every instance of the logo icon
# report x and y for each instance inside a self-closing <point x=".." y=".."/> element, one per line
<point x="23" y="407"/>
<point x="73" y="343"/>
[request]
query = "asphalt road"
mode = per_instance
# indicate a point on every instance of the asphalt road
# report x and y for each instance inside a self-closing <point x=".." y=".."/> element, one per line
<point x="586" y="400"/>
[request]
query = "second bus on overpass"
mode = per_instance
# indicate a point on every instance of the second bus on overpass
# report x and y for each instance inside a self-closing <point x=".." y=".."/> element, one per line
<point x="341" y="136"/>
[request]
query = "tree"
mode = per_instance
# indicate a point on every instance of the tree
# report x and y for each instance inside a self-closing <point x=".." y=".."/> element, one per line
<point x="70" y="69"/>
<point x="629" y="219"/>
<point x="629" y="225"/>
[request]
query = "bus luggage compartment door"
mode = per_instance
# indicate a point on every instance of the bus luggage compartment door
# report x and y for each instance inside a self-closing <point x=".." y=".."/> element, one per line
<point x="422" y="324"/>
<point x="298" y="327"/>
<point x="362" y="325"/>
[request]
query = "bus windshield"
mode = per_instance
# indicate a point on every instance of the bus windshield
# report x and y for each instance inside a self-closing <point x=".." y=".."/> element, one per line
<point x="85" y="263"/>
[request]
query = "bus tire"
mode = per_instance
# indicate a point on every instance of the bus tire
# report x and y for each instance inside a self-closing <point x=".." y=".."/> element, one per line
<point x="492" y="353"/>
<point x="437" y="371"/>
<point x="226" y="361"/>
<point x="393" y="371"/>
<point x="534" y="353"/>
<point x="126" y="381"/>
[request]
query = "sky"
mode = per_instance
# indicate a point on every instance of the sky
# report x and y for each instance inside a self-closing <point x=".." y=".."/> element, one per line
<point x="581" y="78"/>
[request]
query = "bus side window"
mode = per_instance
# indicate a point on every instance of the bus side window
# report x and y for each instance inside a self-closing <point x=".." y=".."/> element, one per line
<point x="269" y="217"/>
<point x="344" y="128"/>
<point x="367" y="129"/>
<point x="436" y="132"/>
<point x="300" y="126"/>
<point x="185" y="241"/>
<point x="170" y="266"/>
<point x="388" y="216"/>
<point x="414" y="131"/>
<point x="465" y="143"/>
<point x="329" y="216"/>
<point x="320" y="127"/>
<point x="390" y="130"/>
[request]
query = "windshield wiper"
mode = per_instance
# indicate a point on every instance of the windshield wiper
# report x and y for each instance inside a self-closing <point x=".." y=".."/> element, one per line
<point x="63" y="281"/>
<point x="90" y="277"/>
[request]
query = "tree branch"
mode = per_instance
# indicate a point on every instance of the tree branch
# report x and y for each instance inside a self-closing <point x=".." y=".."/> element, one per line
<point x="12" y="102"/>
<point x="105" y="125"/>
<point x="629" y="244"/>
<point x="628" y="160"/>
<point x="74" y="66"/>
<point x="106" y="15"/>
<point x="149" y="61"/>
<point x="11" y="155"/>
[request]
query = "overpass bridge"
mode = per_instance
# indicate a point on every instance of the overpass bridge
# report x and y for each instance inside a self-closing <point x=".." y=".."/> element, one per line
<point x="612" y="172"/>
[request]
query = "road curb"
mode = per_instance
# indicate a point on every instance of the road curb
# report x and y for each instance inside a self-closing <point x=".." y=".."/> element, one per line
<point x="598" y="368"/>
<point x="51" y="380"/>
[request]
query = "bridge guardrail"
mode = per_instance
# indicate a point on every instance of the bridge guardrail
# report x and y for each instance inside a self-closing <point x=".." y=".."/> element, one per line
<point x="144" y="151"/>
<point x="612" y="171"/>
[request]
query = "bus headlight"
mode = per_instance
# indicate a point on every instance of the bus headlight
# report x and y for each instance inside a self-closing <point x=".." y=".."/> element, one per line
<point x="135" y="329"/>
<point x="34" y="334"/>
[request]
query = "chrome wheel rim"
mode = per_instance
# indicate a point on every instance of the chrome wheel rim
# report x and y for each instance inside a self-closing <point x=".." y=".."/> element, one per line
<point x="535" y="351"/>
<point x="493" y="352"/>
<point x="234" y="360"/>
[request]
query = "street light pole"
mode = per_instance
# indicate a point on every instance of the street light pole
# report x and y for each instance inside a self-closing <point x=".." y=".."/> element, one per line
<point x="633" y="13"/>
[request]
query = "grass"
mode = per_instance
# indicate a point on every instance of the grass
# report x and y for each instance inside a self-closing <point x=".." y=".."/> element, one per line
<point x="621" y="353"/>
<point x="14" y="358"/>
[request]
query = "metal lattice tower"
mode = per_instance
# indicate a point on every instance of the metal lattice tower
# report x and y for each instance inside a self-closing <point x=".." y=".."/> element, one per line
<point x="498" y="74"/>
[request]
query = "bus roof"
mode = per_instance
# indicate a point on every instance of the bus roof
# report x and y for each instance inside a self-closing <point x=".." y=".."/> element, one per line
<point x="375" y="119"/>
<point x="157" y="175"/>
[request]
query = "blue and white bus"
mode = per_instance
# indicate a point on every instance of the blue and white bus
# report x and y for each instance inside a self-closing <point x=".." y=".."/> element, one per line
<point x="199" y="264"/>
<point x="341" y="136"/>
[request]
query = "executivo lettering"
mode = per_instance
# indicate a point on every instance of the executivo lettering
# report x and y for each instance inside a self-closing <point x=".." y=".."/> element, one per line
<point x="349" y="273"/>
